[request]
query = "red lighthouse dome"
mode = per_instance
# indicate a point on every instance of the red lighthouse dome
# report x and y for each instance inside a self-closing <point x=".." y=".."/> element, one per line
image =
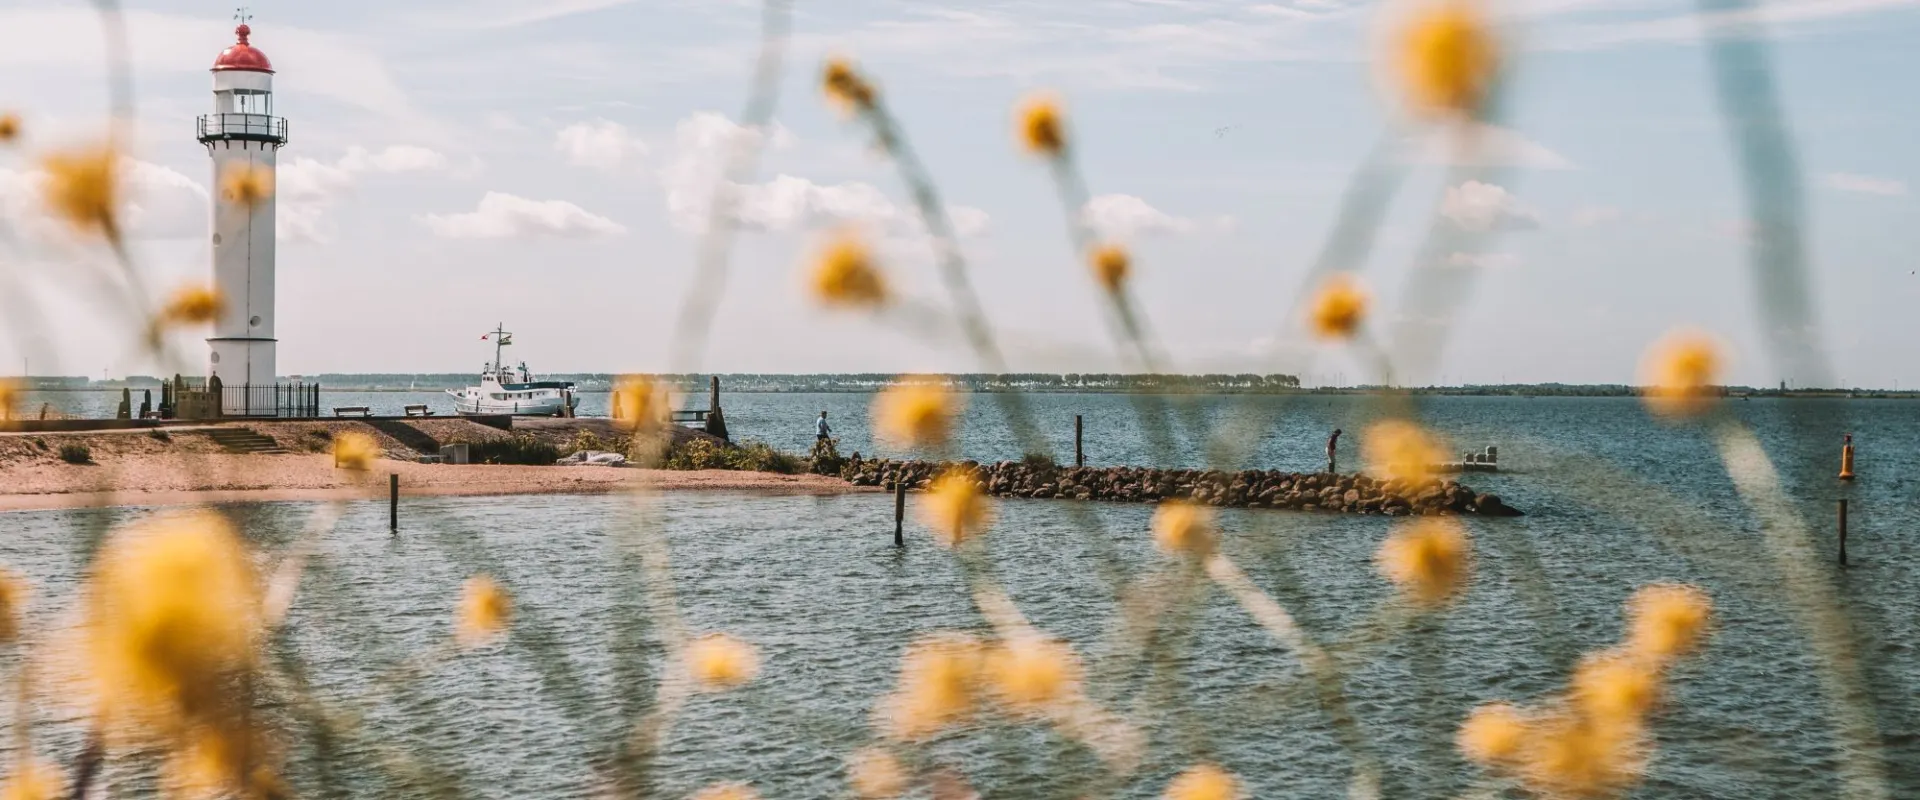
<point x="243" y="56"/>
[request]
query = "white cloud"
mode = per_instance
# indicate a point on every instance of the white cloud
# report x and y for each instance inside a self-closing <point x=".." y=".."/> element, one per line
<point x="395" y="158"/>
<point x="1864" y="184"/>
<point x="1124" y="216"/>
<point x="601" y="143"/>
<point x="307" y="188"/>
<point x="1477" y="206"/>
<point x="501" y="215"/>
<point x="1484" y="146"/>
<point x="159" y="203"/>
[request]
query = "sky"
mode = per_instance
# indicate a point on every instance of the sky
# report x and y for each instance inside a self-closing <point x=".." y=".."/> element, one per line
<point x="548" y="165"/>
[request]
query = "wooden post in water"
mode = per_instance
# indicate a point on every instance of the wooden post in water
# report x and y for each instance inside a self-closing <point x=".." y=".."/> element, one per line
<point x="1843" y="531"/>
<point x="899" y="512"/>
<point x="1079" y="455"/>
<point x="393" y="502"/>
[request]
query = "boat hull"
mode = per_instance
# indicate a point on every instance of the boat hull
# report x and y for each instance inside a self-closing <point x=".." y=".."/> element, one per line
<point x="534" y="407"/>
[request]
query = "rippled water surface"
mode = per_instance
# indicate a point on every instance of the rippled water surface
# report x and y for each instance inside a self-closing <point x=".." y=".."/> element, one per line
<point x="1613" y="501"/>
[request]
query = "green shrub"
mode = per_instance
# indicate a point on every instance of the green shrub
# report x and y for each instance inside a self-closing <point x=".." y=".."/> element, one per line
<point x="696" y="454"/>
<point x="1038" y="461"/>
<point x="825" y="458"/>
<point x="704" y="453"/>
<point x="520" y="449"/>
<point x="76" y="454"/>
<point x="586" y="440"/>
<point x="761" y="457"/>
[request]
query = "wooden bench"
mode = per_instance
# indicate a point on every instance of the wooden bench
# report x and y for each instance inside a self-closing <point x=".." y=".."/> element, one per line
<point x="418" y="411"/>
<point x="692" y="416"/>
<point x="352" y="411"/>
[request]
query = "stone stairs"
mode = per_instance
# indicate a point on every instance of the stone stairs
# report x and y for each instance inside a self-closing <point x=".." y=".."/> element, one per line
<point x="243" y="440"/>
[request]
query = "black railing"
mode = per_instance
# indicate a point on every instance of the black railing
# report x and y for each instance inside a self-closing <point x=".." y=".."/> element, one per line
<point x="196" y="399"/>
<point x="250" y="127"/>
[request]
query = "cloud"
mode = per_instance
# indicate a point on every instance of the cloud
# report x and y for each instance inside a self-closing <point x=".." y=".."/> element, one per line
<point x="395" y="158"/>
<point x="501" y="216"/>
<point x="159" y="203"/>
<point x="307" y="188"/>
<point x="1484" y="146"/>
<point x="1477" y="206"/>
<point x="1864" y="184"/>
<point x="601" y="143"/>
<point x="1484" y="260"/>
<point x="1124" y="216"/>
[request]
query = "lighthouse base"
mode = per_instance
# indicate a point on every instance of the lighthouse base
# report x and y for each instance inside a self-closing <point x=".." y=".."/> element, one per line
<point x="241" y="363"/>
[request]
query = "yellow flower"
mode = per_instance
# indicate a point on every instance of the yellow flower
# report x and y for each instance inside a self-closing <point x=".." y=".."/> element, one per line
<point x="1030" y="673"/>
<point x="1402" y="450"/>
<point x="247" y="184"/>
<point x="1110" y="266"/>
<point x="955" y="508"/>
<point x="13" y="595"/>
<point x="485" y="610"/>
<point x="173" y="615"/>
<point x="1566" y="756"/>
<point x="354" y="450"/>
<point x="10" y="393"/>
<point x="9" y="127"/>
<point x="83" y="185"/>
<point x="1492" y="733"/>
<point x="640" y="403"/>
<point x="1180" y="527"/>
<point x="1611" y="689"/>
<point x="1446" y="58"/>
<point x="212" y="761"/>
<point x="916" y="412"/>
<point x="1428" y="558"/>
<point x="193" y="304"/>
<point x="727" y="791"/>
<point x="1666" y="620"/>
<point x="844" y="274"/>
<point x="33" y="780"/>
<point x="718" y="661"/>
<point x="875" y="774"/>
<point x="1041" y="129"/>
<point x="938" y="680"/>
<point x="1203" y="782"/>
<point x="1338" y="308"/>
<point x="1681" y="372"/>
<point x="845" y="87"/>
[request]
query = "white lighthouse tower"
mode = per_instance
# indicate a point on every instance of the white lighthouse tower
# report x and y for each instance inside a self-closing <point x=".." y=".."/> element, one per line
<point x="242" y="135"/>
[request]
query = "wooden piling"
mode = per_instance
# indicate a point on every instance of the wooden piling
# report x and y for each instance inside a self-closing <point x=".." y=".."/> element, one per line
<point x="1846" y="458"/>
<point x="1079" y="454"/>
<point x="899" y="513"/>
<point x="1843" y="531"/>
<point x="393" y="502"/>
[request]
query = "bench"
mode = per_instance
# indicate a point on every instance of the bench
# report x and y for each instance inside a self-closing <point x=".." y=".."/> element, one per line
<point x="352" y="411"/>
<point x="418" y="411"/>
<point x="693" y="416"/>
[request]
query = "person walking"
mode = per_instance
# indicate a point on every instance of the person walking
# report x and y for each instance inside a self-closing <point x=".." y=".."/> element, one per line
<point x="825" y="431"/>
<point x="1332" y="443"/>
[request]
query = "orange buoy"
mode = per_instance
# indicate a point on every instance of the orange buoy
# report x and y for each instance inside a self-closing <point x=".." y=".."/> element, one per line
<point x="1846" y="459"/>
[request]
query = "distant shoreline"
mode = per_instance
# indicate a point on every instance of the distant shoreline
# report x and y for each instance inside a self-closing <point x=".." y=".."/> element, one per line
<point x="1438" y="391"/>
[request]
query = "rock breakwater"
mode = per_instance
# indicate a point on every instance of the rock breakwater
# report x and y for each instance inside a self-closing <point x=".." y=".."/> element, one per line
<point x="1301" y="491"/>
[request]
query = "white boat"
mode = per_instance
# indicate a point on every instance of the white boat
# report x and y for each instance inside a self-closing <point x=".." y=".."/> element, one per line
<point x="513" y="391"/>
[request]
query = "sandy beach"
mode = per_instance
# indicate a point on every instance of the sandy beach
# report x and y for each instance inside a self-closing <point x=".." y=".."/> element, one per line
<point x="134" y="468"/>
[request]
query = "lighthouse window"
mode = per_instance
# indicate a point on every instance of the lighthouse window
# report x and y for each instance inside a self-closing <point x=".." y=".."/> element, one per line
<point x="255" y="320"/>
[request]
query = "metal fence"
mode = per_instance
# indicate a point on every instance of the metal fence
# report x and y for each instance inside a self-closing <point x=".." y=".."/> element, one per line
<point x="199" y="399"/>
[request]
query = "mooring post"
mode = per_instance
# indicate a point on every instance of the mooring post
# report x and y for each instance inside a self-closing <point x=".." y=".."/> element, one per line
<point x="1846" y="458"/>
<point x="1843" y="531"/>
<point x="1079" y="455"/>
<point x="899" y="513"/>
<point x="393" y="502"/>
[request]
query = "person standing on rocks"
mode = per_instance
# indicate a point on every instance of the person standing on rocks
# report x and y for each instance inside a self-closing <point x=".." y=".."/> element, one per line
<point x="1332" y="443"/>
<point x="826" y="432"/>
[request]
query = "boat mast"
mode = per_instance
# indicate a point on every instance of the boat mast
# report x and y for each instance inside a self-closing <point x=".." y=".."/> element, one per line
<point x="499" y="340"/>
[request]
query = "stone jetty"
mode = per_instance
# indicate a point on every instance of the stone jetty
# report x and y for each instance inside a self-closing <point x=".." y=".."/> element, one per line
<point x="1301" y="491"/>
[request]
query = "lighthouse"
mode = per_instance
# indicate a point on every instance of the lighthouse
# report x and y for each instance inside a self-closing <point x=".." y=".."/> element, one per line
<point x="243" y="137"/>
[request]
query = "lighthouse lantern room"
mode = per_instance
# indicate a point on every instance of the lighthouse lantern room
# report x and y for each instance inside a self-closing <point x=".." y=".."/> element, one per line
<point x="243" y="137"/>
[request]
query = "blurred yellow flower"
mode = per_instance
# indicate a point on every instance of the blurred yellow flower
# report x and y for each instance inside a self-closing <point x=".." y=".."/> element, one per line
<point x="193" y="304"/>
<point x="213" y="761"/>
<point x="1031" y="673"/>
<point x="485" y="610"/>
<point x="1446" y="57"/>
<point x="844" y="274"/>
<point x="83" y="185"/>
<point x="1338" y="308"/>
<point x="247" y="184"/>
<point x="845" y="87"/>
<point x="173" y="615"/>
<point x="718" y="661"/>
<point x="955" y="508"/>
<point x="355" y="450"/>
<point x="915" y="412"/>
<point x="727" y="791"/>
<point x="1110" y="266"/>
<point x="10" y="393"/>
<point x="1666" y="620"/>
<point x="875" y="774"/>
<point x="33" y="780"/>
<point x="1041" y="128"/>
<point x="640" y="403"/>
<point x="1428" y="558"/>
<point x="1681" y="373"/>
<point x="1401" y="450"/>
<point x="938" y="681"/>
<point x="1610" y="688"/>
<point x="1566" y="756"/>
<point x="9" y="127"/>
<point x="1183" y="527"/>
<point x="13" y="597"/>
<point x="1203" y="782"/>
<point x="1492" y="733"/>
